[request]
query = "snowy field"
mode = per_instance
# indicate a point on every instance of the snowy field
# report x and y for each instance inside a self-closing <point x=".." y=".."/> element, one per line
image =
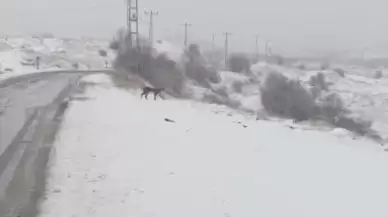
<point x="117" y="156"/>
<point x="18" y="54"/>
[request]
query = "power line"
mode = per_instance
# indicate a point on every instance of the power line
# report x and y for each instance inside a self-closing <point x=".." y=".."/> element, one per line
<point x="151" y="13"/>
<point x="186" y="25"/>
<point x="226" y="34"/>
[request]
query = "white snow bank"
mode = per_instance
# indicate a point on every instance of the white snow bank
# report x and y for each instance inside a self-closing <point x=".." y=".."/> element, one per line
<point x="18" y="54"/>
<point x="116" y="156"/>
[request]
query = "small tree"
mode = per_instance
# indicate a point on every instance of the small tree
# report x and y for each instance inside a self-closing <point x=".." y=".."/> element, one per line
<point x="287" y="98"/>
<point x="197" y="67"/>
<point x="319" y="81"/>
<point x="114" y="45"/>
<point x="239" y="63"/>
<point x="103" y="53"/>
<point x="339" y="71"/>
<point x="325" y="66"/>
<point x="378" y="74"/>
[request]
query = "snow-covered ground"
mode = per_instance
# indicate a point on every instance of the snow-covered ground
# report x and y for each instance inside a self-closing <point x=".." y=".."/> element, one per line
<point x="116" y="155"/>
<point x="364" y="95"/>
<point x="18" y="54"/>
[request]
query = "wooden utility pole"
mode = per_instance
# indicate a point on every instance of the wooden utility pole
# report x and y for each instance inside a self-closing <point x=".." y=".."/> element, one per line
<point x="213" y="41"/>
<point x="186" y="25"/>
<point x="267" y="49"/>
<point x="257" y="48"/>
<point x="151" y="13"/>
<point x="226" y="34"/>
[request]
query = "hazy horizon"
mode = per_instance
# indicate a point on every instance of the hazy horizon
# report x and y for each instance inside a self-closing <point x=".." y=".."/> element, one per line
<point x="292" y="26"/>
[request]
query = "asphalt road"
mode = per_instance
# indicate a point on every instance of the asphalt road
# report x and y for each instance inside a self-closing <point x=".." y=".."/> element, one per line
<point x="20" y="99"/>
<point x="29" y="108"/>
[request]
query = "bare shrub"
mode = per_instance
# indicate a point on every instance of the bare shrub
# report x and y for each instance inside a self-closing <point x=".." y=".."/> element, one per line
<point x="103" y="53"/>
<point x="221" y="91"/>
<point x="239" y="63"/>
<point x="214" y="98"/>
<point x="339" y="71"/>
<point x="315" y="92"/>
<point x="197" y="68"/>
<point x="301" y="66"/>
<point x="279" y="60"/>
<point x="287" y="98"/>
<point x="378" y="74"/>
<point x="357" y="125"/>
<point x="114" y="45"/>
<point x="237" y="86"/>
<point x="155" y="68"/>
<point x="332" y="110"/>
<point x="325" y="66"/>
<point x="319" y="81"/>
<point x="330" y="107"/>
<point x="221" y="98"/>
<point x="75" y="65"/>
<point x="215" y="78"/>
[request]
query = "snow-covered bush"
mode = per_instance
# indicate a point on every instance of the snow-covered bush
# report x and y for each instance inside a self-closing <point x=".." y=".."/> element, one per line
<point x="339" y="71"/>
<point x="220" y="97"/>
<point x="221" y="91"/>
<point x="319" y="81"/>
<point x="197" y="68"/>
<point x="332" y="110"/>
<point x="239" y="63"/>
<point x="279" y="60"/>
<point x="237" y="86"/>
<point x="330" y="107"/>
<point x="155" y="68"/>
<point x="325" y="66"/>
<point x="301" y="66"/>
<point x="75" y="65"/>
<point x="378" y="74"/>
<point x="102" y="53"/>
<point x="354" y="124"/>
<point x="114" y="45"/>
<point x="287" y="98"/>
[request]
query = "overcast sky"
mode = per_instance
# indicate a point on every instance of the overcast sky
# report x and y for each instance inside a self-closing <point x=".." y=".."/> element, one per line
<point x="290" y="25"/>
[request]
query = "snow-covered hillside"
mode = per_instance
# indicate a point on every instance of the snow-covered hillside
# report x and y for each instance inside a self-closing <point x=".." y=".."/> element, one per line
<point x="118" y="155"/>
<point x="361" y="92"/>
<point x="18" y="54"/>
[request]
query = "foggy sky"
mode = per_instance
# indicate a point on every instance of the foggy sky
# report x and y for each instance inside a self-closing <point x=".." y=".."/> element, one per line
<point x="291" y="25"/>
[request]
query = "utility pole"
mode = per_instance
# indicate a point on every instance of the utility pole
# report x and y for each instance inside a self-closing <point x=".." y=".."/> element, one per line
<point x="151" y="13"/>
<point x="267" y="49"/>
<point x="133" y="23"/>
<point x="213" y="41"/>
<point x="257" y="48"/>
<point x="226" y="34"/>
<point x="186" y="25"/>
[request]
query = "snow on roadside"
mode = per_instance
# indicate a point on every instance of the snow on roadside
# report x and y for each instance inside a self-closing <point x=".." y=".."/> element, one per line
<point x="18" y="54"/>
<point x="116" y="156"/>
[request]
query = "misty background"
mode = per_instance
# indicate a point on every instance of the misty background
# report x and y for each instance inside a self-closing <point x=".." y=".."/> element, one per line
<point x="298" y="27"/>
